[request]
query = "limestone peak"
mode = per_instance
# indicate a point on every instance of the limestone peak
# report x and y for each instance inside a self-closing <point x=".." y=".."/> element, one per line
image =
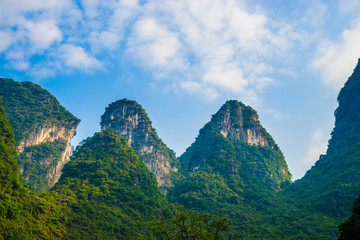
<point x="235" y="120"/>
<point x="130" y="120"/>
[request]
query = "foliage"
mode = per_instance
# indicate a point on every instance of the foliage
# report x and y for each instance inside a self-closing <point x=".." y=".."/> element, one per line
<point x="115" y="195"/>
<point x="333" y="183"/>
<point x="144" y="126"/>
<point x="23" y="215"/>
<point x="9" y="169"/>
<point x="244" y="182"/>
<point x="350" y="229"/>
<point x="29" y="107"/>
<point x="38" y="161"/>
<point x="187" y="225"/>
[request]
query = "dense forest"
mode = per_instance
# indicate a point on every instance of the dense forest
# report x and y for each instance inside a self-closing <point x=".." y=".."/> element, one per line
<point x="232" y="182"/>
<point x="42" y="129"/>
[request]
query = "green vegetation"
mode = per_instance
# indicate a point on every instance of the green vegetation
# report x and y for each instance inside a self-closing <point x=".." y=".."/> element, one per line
<point x="144" y="126"/>
<point x="9" y="169"/>
<point x="332" y="185"/>
<point x="38" y="161"/>
<point x="28" y="107"/>
<point x="23" y="214"/>
<point x="107" y="192"/>
<point x="350" y="229"/>
<point x="187" y="225"/>
<point x="244" y="183"/>
<point x="112" y="194"/>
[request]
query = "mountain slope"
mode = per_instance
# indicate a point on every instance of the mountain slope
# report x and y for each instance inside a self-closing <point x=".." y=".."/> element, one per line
<point x="23" y="214"/>
<point x="350" y="229"/>
<point x="235" y="168"/>
<point x="43" y="131"/>
<point x="235" y="145"/>
<point x="112" y="194"/>
<point x="333" y="183"/>
<point x="130" y="120"/>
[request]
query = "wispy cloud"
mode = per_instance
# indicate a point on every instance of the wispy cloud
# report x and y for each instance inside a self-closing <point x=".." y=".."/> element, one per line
<point x="43" y="34"/>
<point x="336" y="60"/>
<point x="155" y="46"/>
<point x="318" y="147"/>
<point x="223" y="46"/>
<point x="77" y="57"/>
<point x="210" y="48"/>
<point x="276" y="114"/>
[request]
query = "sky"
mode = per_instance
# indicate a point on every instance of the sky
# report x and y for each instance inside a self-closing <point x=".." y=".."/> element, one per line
<point x="183" y="59"/>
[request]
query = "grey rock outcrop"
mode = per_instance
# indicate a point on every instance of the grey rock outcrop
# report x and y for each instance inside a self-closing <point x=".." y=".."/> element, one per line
<point x="43" y="131"/>
<point x="48" y="135"/>
<point x="130" y="120"/>
<point x="238" y="121"/>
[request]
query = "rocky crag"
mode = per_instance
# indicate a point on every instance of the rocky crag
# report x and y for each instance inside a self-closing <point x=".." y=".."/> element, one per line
<point x="235" y="132"/>
<point x="43" y="132"/>
<point x="130" y="120"/>
<point x="234" y="120"/>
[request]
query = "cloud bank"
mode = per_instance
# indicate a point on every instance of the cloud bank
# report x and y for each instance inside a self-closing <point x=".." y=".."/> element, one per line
<point x="209" y="48"/>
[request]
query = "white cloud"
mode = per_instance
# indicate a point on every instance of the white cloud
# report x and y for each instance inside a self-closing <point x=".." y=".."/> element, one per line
<point x="315" y="15"/>
<point x="190" y="87"/>
<point x="77" y="57"/>
<point x="229" y="77"/>
<point x="276" y="114"/>
<point x="336" y="60"/>
<point x="6" y="40"/>
<point x="43" y="34"/>
<point x="318" y="147"/>
<point x="19" y="65"/>
<point x="104" y="39"/>
<point x="155" y="46"/>
<point x="222" y="45"/>
<point x="349" y="5"/>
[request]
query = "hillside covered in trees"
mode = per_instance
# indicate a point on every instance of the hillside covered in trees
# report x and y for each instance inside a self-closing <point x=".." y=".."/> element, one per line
<point x="233" y="181"/>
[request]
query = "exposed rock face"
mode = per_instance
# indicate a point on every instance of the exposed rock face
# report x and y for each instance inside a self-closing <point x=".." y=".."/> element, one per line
<point x="46" y="135"/>
<point x="233" y="144"/>
<point x="53" y="162"/>
<point x="237" y="121"/>
<point x="43" y="132"/>
<point x="130" y="121"/>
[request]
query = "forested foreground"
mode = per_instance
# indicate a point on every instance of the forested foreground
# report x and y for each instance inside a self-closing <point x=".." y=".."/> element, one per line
<point x="233" y="183"/>
<point x="106" y="192"/>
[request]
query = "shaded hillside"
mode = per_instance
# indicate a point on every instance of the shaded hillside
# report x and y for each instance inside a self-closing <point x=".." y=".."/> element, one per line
<point x="112" y="194"/>
<point x="130" y="120"/>
<point x="43" y="131"/>
<point x="333" y="183"/>
<point x="234" y="167"/>
<point x="350" y="229"/>
<point x="23" y="214"/>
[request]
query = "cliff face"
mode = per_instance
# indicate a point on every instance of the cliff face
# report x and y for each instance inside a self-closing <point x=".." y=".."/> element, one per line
<point x="237" y="121"/>
<point x="47" y="134"/>
<point x="234" y="168"/>
<point x="40" y="147"/>
<point x="112" y="189"/>
<point x="130" y="121"/>
<point x="235" y="145"/>
<point x="43" y="132"/>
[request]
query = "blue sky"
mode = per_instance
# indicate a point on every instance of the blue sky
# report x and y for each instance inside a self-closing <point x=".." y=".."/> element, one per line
<point x="181" y="60"/>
